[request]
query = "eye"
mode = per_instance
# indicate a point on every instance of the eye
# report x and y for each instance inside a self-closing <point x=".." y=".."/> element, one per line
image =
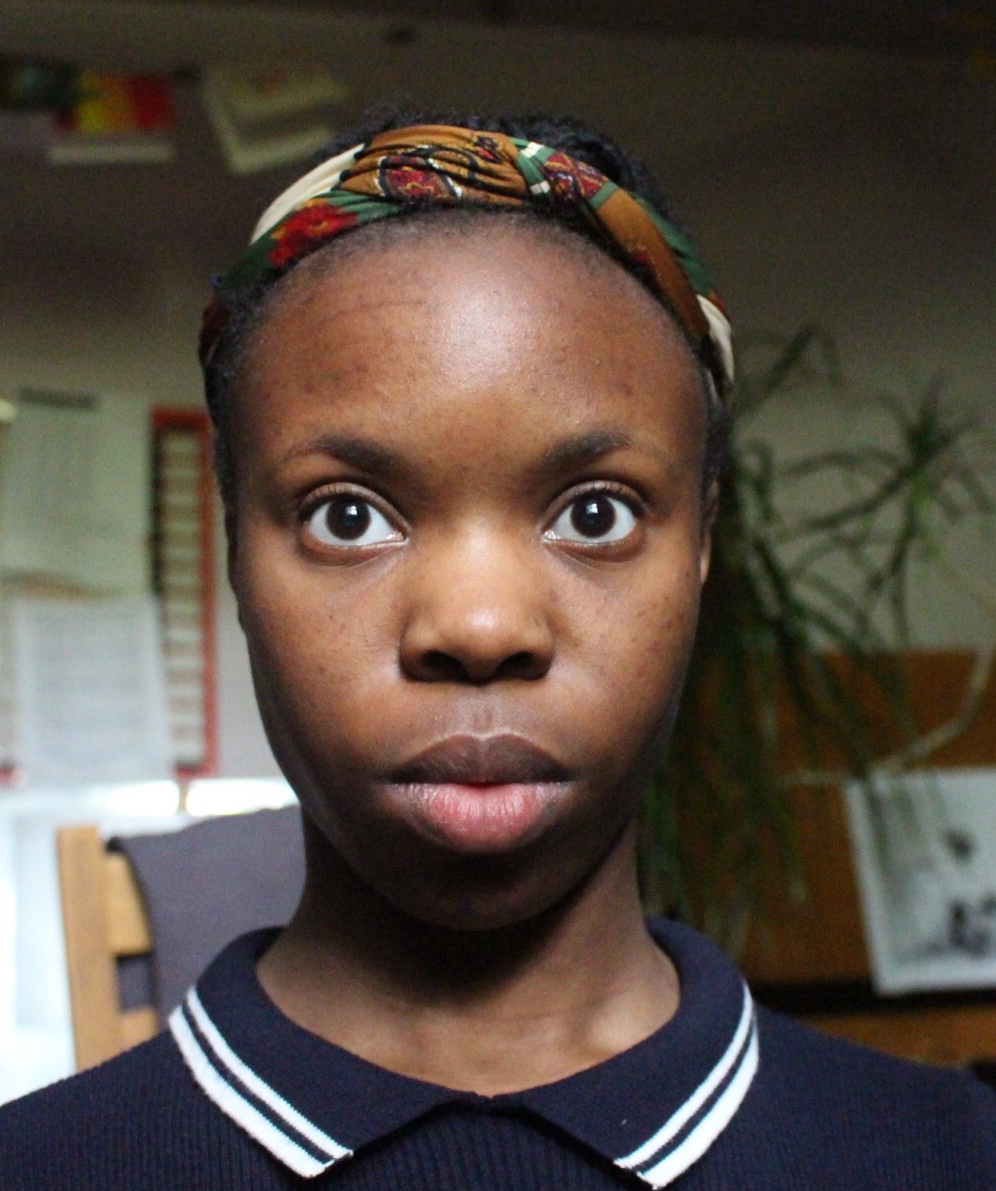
<point x="348" y="520"/>
<point x="594" y="517"/>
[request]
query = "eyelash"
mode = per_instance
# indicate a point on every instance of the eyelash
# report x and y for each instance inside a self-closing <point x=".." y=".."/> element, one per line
<point x="393" y="532"/>
<point x="620" y="495"/>
<point x="361" y="498"/>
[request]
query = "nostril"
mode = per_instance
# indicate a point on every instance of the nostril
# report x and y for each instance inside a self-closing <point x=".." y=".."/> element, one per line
<point x="524" y="664"/>
<point x="474" y="638"/>
<point x="436" y="665"/>
<point x="440" y="666"/>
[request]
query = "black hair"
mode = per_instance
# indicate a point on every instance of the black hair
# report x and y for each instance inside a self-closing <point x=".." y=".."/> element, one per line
<point x="247" y="308"/>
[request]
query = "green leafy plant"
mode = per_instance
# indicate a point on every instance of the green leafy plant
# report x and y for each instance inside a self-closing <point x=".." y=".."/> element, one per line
<point x="805" y="599"/>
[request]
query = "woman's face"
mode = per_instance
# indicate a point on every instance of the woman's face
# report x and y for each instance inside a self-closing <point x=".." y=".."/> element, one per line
<point x="467" y="548"/>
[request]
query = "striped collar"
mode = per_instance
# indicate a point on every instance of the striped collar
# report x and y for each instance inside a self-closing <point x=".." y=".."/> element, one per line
<point x="654" y="1109"/>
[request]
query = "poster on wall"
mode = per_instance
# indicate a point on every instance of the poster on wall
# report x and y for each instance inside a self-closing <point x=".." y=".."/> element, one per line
<point x="925" y="853"/>
<point x="131" y="514"/>
<point x="74" y="485"/>
<point x="90" y="691"/>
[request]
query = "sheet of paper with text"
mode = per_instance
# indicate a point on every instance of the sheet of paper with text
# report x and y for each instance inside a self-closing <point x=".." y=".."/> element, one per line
<point x="91" y="693"/>
<point x="74" y="491"/>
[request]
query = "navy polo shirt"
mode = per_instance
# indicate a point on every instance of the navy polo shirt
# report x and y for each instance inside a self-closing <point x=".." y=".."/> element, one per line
<point x="235" y="1097"/>
<point x="653" y="1110"/>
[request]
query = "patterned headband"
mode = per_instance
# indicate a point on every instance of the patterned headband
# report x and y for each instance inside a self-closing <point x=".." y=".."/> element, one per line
<point x="441" y="165"/>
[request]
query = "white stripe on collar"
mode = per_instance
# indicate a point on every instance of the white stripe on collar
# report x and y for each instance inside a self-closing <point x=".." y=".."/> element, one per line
<point x="736" y="1069"/>
<point x="304" y="1148"/>
<point x="220" y="1074"/>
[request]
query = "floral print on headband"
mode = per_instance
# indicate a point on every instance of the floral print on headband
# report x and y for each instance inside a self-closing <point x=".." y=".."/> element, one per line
<point x="443" y="165"/>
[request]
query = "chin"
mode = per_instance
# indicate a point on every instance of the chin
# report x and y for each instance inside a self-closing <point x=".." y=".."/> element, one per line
<point x="479" y="911"/>
<point x="531" y="886"/>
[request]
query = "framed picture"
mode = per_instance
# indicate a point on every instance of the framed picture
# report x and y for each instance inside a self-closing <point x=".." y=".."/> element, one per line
<point x="925" y="854"/>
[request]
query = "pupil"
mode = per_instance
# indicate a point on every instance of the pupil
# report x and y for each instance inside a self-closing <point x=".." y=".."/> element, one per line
<point x="593" y="516"/>
<point x="348" y="519"/>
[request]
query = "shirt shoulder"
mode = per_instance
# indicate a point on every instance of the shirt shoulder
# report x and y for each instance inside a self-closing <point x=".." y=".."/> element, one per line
<point x="135" y="1121"/>
<point x="829" y="1113"/>
<point x="825" y="1064"/>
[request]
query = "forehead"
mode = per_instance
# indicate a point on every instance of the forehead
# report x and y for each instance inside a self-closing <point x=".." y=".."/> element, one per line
<point x="491" y="319"/>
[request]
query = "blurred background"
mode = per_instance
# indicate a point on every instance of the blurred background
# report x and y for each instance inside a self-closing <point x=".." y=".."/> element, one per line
<point x="835" y="163"/>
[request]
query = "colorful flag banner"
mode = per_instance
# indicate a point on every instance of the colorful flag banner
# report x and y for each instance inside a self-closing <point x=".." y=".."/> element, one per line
<point x="118" y="117"/>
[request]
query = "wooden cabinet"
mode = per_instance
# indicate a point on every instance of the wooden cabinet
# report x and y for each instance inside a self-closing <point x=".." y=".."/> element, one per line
<point x="809" y="957"/>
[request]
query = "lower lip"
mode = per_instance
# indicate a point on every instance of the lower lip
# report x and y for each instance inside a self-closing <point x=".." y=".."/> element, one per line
<point x="483" y="818"/>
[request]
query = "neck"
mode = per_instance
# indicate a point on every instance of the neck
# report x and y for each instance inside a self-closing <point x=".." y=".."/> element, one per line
<point x="487" y="1011"/>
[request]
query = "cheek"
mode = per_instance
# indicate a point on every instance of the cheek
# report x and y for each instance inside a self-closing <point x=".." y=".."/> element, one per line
<point x="312" y="652"/>
<point x="656" y="667"/>
<point x="638" y="651"/>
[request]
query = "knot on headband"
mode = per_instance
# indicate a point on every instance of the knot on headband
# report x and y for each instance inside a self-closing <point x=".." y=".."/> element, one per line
<point x="441" y="165"/>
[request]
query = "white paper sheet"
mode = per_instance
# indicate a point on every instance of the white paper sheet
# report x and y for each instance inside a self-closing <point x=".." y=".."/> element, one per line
<point x="90" y="692"/>
<point x="74" y="490"/>
<point x="925" y="853"/>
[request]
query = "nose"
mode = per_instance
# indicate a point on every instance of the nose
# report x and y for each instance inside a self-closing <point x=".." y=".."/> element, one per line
<point x="477" y="612"/>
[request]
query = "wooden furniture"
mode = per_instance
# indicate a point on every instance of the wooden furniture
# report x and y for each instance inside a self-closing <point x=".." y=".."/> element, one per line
<point x="104" y="918"/>
<point x="144" y="921"/>
<point x="810" y="955"/>
<point x="810" y="958"/>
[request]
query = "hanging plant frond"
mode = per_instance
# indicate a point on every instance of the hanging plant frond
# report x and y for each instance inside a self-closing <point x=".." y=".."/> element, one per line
<point x="801" y="608"/>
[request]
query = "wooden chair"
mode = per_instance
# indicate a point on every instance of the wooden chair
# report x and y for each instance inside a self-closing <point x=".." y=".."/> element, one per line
<point x="104" y="918"/>
<point x="113" y="911"/>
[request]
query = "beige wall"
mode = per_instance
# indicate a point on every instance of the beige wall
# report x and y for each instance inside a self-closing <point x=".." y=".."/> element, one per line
<point x="828" y="186"/>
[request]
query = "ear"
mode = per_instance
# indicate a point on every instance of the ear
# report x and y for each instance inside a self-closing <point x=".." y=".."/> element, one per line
<point x="710" y="511"/>
<point x="231" y="557"/>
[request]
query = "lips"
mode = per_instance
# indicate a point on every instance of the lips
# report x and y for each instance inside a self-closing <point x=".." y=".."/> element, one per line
<point x="481" y="795"/>
<point x="475" y="761"/>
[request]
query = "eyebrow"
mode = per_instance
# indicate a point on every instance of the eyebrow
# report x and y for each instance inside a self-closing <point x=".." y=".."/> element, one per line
<point x="360" y="453"/>
<point x="374" y="459"/>
<point x="581" y="449"/>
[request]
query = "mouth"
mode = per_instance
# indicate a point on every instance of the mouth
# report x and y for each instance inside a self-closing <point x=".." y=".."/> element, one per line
<point x="485" y="795"/>
<point x="481" y="761"/>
